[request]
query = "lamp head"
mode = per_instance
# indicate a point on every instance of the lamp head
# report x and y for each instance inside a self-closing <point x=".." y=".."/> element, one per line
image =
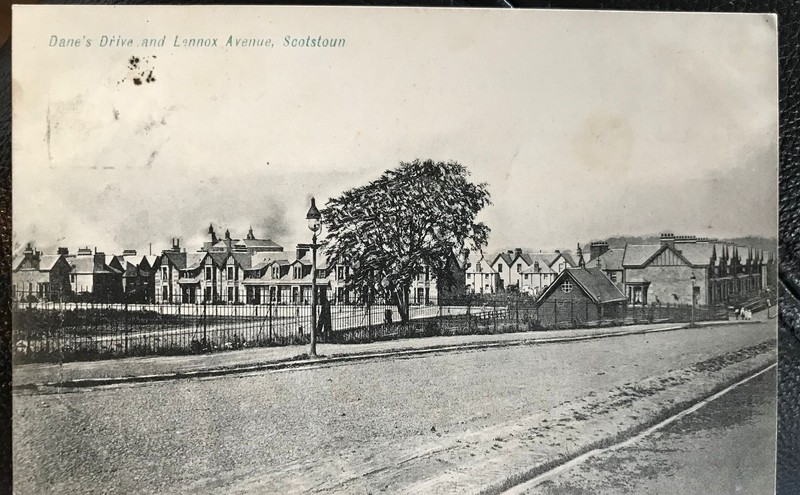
<point x="313" y="216"/>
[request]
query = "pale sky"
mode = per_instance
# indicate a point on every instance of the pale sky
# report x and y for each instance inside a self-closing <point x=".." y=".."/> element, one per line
<point x="584" y="124"/>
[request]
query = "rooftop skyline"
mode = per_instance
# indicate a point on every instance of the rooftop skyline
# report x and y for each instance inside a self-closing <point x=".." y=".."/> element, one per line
<point x="590" y="126"/>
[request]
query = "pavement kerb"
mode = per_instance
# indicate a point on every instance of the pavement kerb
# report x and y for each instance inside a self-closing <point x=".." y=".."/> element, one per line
<point x="343" y="358"/>
<point x="507" y="487"/>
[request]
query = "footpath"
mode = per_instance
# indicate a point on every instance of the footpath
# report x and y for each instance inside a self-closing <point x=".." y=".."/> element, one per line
<point x="159" y="368"/>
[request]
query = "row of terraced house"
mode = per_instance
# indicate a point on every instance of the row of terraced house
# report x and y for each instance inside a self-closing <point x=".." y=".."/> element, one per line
<point x="678" y="269"/>
<point x="223" y="271"/>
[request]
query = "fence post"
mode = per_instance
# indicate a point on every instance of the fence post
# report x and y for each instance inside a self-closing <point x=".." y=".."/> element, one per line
<point x="469" y="319"/>
<point x="125" y="325"/>
<point x="205" y="334"/>
<point x="494" y="315"/>
<point x="517" y="308"/>
<point x="269" y="319"/>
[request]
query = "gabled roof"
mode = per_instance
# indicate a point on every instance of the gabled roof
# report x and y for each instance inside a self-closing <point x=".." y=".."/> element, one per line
<point x="84" y="265"/>
<point x="639" y="254"/>
<point x="693" y="254"/>
<point x="176" y="259"/>
<point x="219" y="259"/>
<point x="567" y="257"/>
<point x="592" y="281"/>
<point x="194" y="260"/>
<point x="698" y="254"/>
<point x="509" y="258"/>
<point x="485" y="267"/>
<point x="543" y="266"/>
<point x="17" y="261"/>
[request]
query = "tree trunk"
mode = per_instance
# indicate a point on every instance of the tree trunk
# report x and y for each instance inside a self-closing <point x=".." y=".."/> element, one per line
<point x="401" y="301"/>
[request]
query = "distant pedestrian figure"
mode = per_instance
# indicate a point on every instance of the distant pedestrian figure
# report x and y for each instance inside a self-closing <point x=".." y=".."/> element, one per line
<point x="749" y="314"/>
<point x="736" y="312"/>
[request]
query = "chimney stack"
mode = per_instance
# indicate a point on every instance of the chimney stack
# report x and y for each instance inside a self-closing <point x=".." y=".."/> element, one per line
<point x="302" y="250"/>
<point x="597" y="249"/>
<point x="668" y="239"/>
<point x="63" y="251"/>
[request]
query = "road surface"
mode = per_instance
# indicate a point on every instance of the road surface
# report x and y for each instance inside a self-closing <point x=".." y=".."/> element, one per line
<point x="334" y="429"/>
<point x="725" y="447"/>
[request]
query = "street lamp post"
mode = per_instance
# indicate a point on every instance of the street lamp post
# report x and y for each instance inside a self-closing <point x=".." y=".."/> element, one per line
<point x="694" y="281"/>
<point x="313" y="216"/>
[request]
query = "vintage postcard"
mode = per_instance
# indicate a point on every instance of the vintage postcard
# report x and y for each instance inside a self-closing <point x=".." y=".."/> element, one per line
<point x="393" y="250"/>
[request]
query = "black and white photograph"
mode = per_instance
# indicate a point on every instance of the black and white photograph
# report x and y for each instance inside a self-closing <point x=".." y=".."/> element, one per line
<point x="381" y="250"/>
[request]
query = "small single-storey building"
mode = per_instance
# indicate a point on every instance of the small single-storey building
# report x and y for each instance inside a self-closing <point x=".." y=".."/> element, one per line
<point x="579" y="296"/>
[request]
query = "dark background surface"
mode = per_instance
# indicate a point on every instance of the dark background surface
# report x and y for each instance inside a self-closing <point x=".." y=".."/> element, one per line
<point x="788" y="461"/>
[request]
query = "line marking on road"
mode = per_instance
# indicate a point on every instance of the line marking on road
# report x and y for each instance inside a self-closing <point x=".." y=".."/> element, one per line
<point x="523" y="487"/>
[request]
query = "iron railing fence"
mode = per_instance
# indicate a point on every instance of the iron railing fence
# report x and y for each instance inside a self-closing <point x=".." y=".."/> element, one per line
<point x="49" y="330"/>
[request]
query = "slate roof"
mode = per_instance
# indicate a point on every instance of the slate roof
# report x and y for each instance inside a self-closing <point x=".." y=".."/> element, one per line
<point x="544" y="260"/>
<point x="594" y="283"/>
<point x="90" y="265"/>
<point x="568" y="258"/>
<point x="178" y="260"/>
<point x="255" y="243"/>
<point x="637" y="254"/>
<point x="17" y="261"/>
<point x="696" y="254"/>
<point x="610" y="260"/>
<point x="243" y="260"/>
<point x="261" y="260"/>
<point x="193" y="260"/>
<point x="485" y="267"/>
<point x="507" y="257"/>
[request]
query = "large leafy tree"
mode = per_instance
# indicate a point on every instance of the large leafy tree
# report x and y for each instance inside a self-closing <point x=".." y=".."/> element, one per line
<point x="419" y="214"/>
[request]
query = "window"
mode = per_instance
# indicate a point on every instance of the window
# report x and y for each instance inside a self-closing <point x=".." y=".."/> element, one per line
<point x="230" y="273"/>
<point x="519" y="267"/>
<point x="276" y="272"/>
<point x="341" y="273"/>
<point x="320" y="273"/>
<point x="230" y="294"/>
<point x="561" y="267"/>
<point x="164" y="274"/>
<point x="499" y="268"/>
<point x="165" y="293"/>
<point x="566" y="287"/>
<point x="208" y="273"/>
<point x="478" y="266"/>
<point x="526" y="276"/>
<point x="613" y="276"/>
<point x="297" y="272"/>
<point x="207" y="294"/>
<point x="72" y="278"/>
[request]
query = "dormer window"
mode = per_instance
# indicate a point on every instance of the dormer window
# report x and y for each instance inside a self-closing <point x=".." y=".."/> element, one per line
<point x="297" y="272"/>
<point x="276" y="272"/>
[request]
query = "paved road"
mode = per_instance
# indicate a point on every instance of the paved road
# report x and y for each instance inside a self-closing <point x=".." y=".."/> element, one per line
<point x="725" y="447"/>
<point x="292" y="430"/>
